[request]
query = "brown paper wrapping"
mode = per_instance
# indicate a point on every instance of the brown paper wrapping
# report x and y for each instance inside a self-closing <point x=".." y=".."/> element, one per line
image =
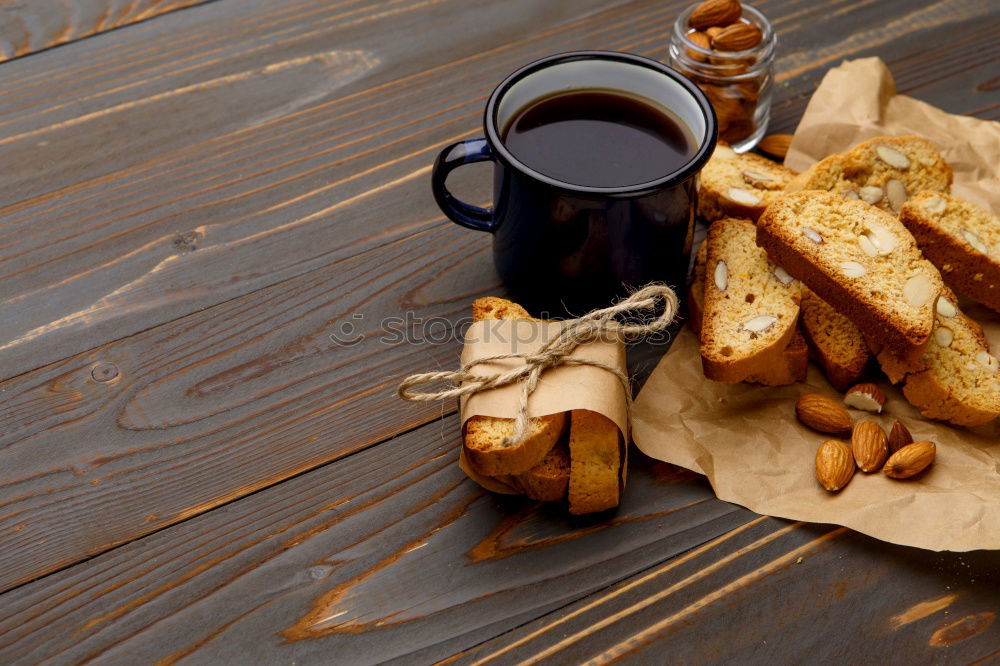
<point x="746" y="438"/>
<point x="560" y="389"/>
<point x="857" y="101"/>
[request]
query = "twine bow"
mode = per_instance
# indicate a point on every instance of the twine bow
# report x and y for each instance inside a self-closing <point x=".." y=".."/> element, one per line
<point x="593" y="326"/>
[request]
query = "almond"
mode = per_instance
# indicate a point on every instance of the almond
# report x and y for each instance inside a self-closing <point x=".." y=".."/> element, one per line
<point x="936" y="205"/>
<point x="834" y="465"/>
<point x="974" y="240"/>
<point x="737" y="37"/>
<point x="721" y="275"/>
<point x="852" y="269"/>
<point x="700" y="40"/>
<point x="715" y="13"/>
<point x="739" y="196"/>
<point x="910" y="460"/>
<point x="871" y="194"/>
<point x="899" y="436"/>
<point x="784" y="277"/>
<point x="851" y="194"/>
<point x="760" y="324"/>
<point x="823" y="414"/>
<point x="776" y="145"/>
<point x="812" y="235"/>
<point x="892" y="157"/>
<point x="918" y="290"/>
<point x="865" y="396"/>
<point x="943" y="336"/>
<point x="946" y="308"/>
<point x="870" y="446"/>
<point x="895" y="191"/>
<point x="713" y="31"/>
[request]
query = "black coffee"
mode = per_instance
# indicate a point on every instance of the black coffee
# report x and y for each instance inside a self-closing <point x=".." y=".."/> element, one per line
<point x="598" y="138"/>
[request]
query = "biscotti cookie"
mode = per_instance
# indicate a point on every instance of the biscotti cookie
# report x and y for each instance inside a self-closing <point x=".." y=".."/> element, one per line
<point x="962" y="240"/>
<point x="795" y="358"/>
<point x="733" y="185"/>
<point x="837" y="343"/>
<point x="546" y="481"/>
<point x="859" y="259"/>
<point x="959" y="380"/>
<point x="751" y="305"/>
<point x="484" y="436"/>
<point x="595" y="462"/>
<point x="884" y="171"/>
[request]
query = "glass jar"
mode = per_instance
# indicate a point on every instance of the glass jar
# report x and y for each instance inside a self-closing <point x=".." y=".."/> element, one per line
<point x="738" y="83"/>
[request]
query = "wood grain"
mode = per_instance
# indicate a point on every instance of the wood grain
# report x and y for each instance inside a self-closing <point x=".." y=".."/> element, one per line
<point x="236" y="130"/>
<point x="226" y="401"/>
<point x="29" y="27"/>
<point x="386" y="552"/>
<point x="796" y="593"/>
<point x="202" y="200"/>
<point x="262" y="146"/>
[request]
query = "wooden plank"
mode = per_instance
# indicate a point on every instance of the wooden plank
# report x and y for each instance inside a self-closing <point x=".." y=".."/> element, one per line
<point x="776" y="592"/>
<point x="226" y="401"/>
<point x="231" y="399"/>
<point x="236" y="130"/>
<point x="247" y="137"/>
<point x="41" y="24"/>
<point x="384" y="553"/>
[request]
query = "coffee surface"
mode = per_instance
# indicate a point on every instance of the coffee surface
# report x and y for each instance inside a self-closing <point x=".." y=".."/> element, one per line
<point x="597" y="138"/>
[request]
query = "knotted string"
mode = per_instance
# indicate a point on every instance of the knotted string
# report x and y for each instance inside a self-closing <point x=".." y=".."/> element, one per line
<point x="595" y="325"/>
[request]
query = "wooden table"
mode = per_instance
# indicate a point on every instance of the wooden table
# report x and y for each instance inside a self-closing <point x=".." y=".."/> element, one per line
<point x="192" y="469"/>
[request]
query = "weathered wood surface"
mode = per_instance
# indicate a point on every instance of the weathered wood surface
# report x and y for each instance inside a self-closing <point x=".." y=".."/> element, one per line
<point x="252" y="139"/>
<point x="388" y="552"/>
<point x="254" y="174"/>
<point x="29" y="26"/>
<point x="223" y="402"/>
<point x="773" y="592"/>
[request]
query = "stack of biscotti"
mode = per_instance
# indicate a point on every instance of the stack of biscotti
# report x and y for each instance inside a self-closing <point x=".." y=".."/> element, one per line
<point x="864" y="262"/>
<point x="574" y="456"/>
<point x="733" y="185"/>
<point x="751" y="310"/>
<point x="884" y="172"/>
<point x="962" y="240"/>
<point x="792" y="365"/>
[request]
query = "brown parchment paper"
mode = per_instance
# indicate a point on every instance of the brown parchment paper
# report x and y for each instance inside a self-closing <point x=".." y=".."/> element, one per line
<point x="746" y="438"/>
<point x="857" y="101"/>
<point x="560" y="389"/>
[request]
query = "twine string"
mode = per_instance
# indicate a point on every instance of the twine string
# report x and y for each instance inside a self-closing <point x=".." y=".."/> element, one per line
<point x="555" y="352"/>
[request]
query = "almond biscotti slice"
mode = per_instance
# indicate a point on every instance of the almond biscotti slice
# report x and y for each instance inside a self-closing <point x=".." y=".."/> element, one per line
<point x="751" y="305"/>
<point x="959" y="380"/>
<point x="838" y="344"/>
<point x="795" y="358"/>
<point x="484" y="435"/>
<point x="733" y="185"/>
<point x="547" y="481"/>
<point x="595" y="451"/>
<point x="859" y="259"/>
<point x="884" y="171"/>
<point x="962" y="240"/>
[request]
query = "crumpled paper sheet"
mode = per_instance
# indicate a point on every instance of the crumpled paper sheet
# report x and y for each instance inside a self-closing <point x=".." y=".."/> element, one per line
<point x="746" y="438"/>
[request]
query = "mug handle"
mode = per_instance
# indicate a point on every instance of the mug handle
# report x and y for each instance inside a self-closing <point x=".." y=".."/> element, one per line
<point x="452" y="157"/>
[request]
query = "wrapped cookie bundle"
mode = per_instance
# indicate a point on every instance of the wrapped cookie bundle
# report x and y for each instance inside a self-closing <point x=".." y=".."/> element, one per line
<point x="544" y="404"/>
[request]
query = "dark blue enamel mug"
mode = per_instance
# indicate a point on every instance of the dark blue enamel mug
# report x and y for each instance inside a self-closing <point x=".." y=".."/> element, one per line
<point x="563" y="248"/>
